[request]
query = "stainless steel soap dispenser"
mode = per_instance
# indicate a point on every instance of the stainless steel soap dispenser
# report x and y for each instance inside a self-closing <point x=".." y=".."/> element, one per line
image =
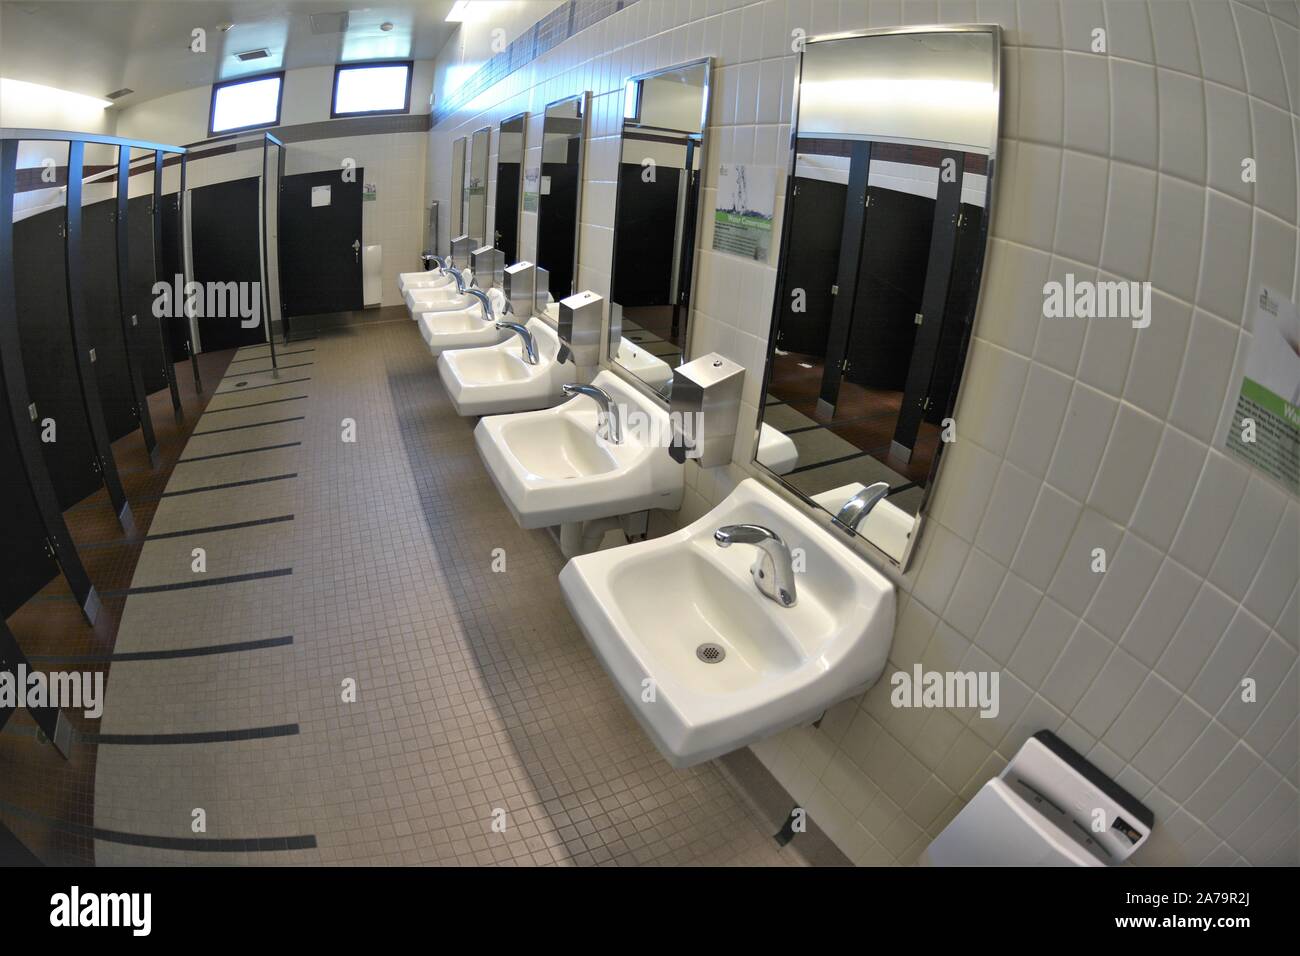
<point x="581" y="317"/>
<point x="518" y="284"/>
<point x="704" y="408"/>
<point x="488" y="265"/>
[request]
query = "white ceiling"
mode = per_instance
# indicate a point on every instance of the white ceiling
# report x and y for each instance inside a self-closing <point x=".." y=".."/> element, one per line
<point x="97" y="46"/>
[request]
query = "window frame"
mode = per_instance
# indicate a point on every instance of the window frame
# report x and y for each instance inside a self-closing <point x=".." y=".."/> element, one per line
<point x="340" y="68"/>
<point x="240" y="81"/>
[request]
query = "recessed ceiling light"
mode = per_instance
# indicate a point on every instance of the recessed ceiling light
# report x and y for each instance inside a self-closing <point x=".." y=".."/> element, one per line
<point x="224" y="27"/>
<point x="459" y="10"/>
<point x="386" y="26"/>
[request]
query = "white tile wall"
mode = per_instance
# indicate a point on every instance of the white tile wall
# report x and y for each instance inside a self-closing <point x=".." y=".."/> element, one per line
<point x="1127" y="162"/>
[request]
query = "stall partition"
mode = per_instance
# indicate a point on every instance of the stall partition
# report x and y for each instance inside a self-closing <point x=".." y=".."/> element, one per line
<point x="80" y="348"/>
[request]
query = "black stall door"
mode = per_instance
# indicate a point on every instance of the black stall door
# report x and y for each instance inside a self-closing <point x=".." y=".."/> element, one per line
<point x="141" y="274"/>
<point x="320" y="246"/>
<point x="104" y="317"/>
<point x="25" y="564"/>
<point x="225" y="240"/>
<point x="40" y="290"/>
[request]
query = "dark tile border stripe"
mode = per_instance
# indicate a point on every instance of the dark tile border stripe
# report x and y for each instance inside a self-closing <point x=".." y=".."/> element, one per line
<point x="214" y="528"/>
<point x="228" y="484"/>
<point x="193" y="737"/>
<point x="235" y="428"/>
<point x="262" y="371"/>
<point x="194" y="844"/>
<point x="201" y="583"/>
<point x="235" y="408"/>
<point x="242" y="451"/>
<point x="255" y="358"/>
<point x="287" y="381"/>
<point x="207" y="650"/>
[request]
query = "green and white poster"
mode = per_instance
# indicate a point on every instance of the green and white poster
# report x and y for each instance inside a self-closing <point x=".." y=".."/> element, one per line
<point x="1263" y="428"/>
<point x="745" y="208"/>
<point x="532" y="184"/>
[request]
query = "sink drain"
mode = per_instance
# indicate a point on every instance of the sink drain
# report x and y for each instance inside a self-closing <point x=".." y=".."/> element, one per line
<point x="710" y="653"/>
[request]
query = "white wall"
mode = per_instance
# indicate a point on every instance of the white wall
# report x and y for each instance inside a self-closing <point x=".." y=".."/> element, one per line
<point x="1071" y="436"/>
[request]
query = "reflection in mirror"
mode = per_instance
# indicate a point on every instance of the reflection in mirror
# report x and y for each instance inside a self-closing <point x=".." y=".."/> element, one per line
<point x="476" y="186"/>
<point x="560" y="193"/>
<point x="510" y="172"/>
<point x="887" y="209"/>
<point x="457" y="188"/>
<point x="664" y="118"/>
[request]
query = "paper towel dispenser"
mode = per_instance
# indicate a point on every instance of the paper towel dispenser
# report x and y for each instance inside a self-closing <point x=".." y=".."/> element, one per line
<point x="1049" y="807"/>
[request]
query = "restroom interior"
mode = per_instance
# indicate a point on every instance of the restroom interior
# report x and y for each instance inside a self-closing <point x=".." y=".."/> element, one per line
<point x="594" y="417"/>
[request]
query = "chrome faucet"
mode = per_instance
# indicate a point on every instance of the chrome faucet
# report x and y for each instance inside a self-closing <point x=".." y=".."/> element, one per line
<point x="773" y="571"/>
<point x="460" y="279"/>
<point x="483" y="301"/>
<point x="860" y="505"/>
<point x="440" y="262"/>
<point x="530" y="343"/>
<point x="608" y="425"/>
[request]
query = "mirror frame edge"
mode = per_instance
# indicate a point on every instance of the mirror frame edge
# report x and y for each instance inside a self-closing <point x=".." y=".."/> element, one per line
<point x="607" y="363"/>
<point x="487" y="174"/>
<point x="585" y="98"/>
<point x="522" y="116"/>
<point x="859" y="542"/>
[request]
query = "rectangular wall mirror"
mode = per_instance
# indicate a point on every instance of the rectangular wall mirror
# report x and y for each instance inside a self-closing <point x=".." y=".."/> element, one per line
<point x="476" y="185"/>
<point x="457" y="209"/>
<point x="665" y="114"/>
<point x="559" y="202"/>
<point x="888" y="200"/>
<point x="510" y="185"/>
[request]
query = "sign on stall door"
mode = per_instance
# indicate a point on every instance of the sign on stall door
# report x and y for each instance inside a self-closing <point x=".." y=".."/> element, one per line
<point x="320" y="196"/>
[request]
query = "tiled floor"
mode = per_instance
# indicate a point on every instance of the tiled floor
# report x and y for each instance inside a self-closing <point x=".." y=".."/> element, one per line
<point x="477" y="699"/>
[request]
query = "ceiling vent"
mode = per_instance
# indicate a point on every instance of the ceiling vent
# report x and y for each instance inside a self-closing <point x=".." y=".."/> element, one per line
<point x="253" y="55"/>
<point x="118" y="94"/>
<point x="326" y="23"/>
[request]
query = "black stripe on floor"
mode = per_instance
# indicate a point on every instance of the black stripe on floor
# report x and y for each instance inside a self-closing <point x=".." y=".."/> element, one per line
<point x="258" y="358"/>
<point x="242" y="451"/>
<point x="200" y="583"/>
<point x="193" y="737"/>
<point x="194" y="844"/>
<point x="235" y="408"/>
<point x="213" y="528"/>
<point x="235" y="428"/>
<point x="828" y="461"/>
<point x="260" y="371"/>
<point x="208" y="650"/>
<point x="225" y="485"/>
<point x="287" y="381"/>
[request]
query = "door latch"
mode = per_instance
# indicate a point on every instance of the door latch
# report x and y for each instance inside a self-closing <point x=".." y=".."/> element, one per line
<point x="356" y="249"/>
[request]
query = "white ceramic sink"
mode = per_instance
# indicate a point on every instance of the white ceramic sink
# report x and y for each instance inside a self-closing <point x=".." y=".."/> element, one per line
<point x="551" y="467"/>
<point x="433" y="279"/>
<point x="496" y="379"/>
<point x="650" y="369"/>
<point x="458" y="329"/>
<point x="645" y="608"/>
<point x="776" y="450"/>
<point x="436" y="298"/>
